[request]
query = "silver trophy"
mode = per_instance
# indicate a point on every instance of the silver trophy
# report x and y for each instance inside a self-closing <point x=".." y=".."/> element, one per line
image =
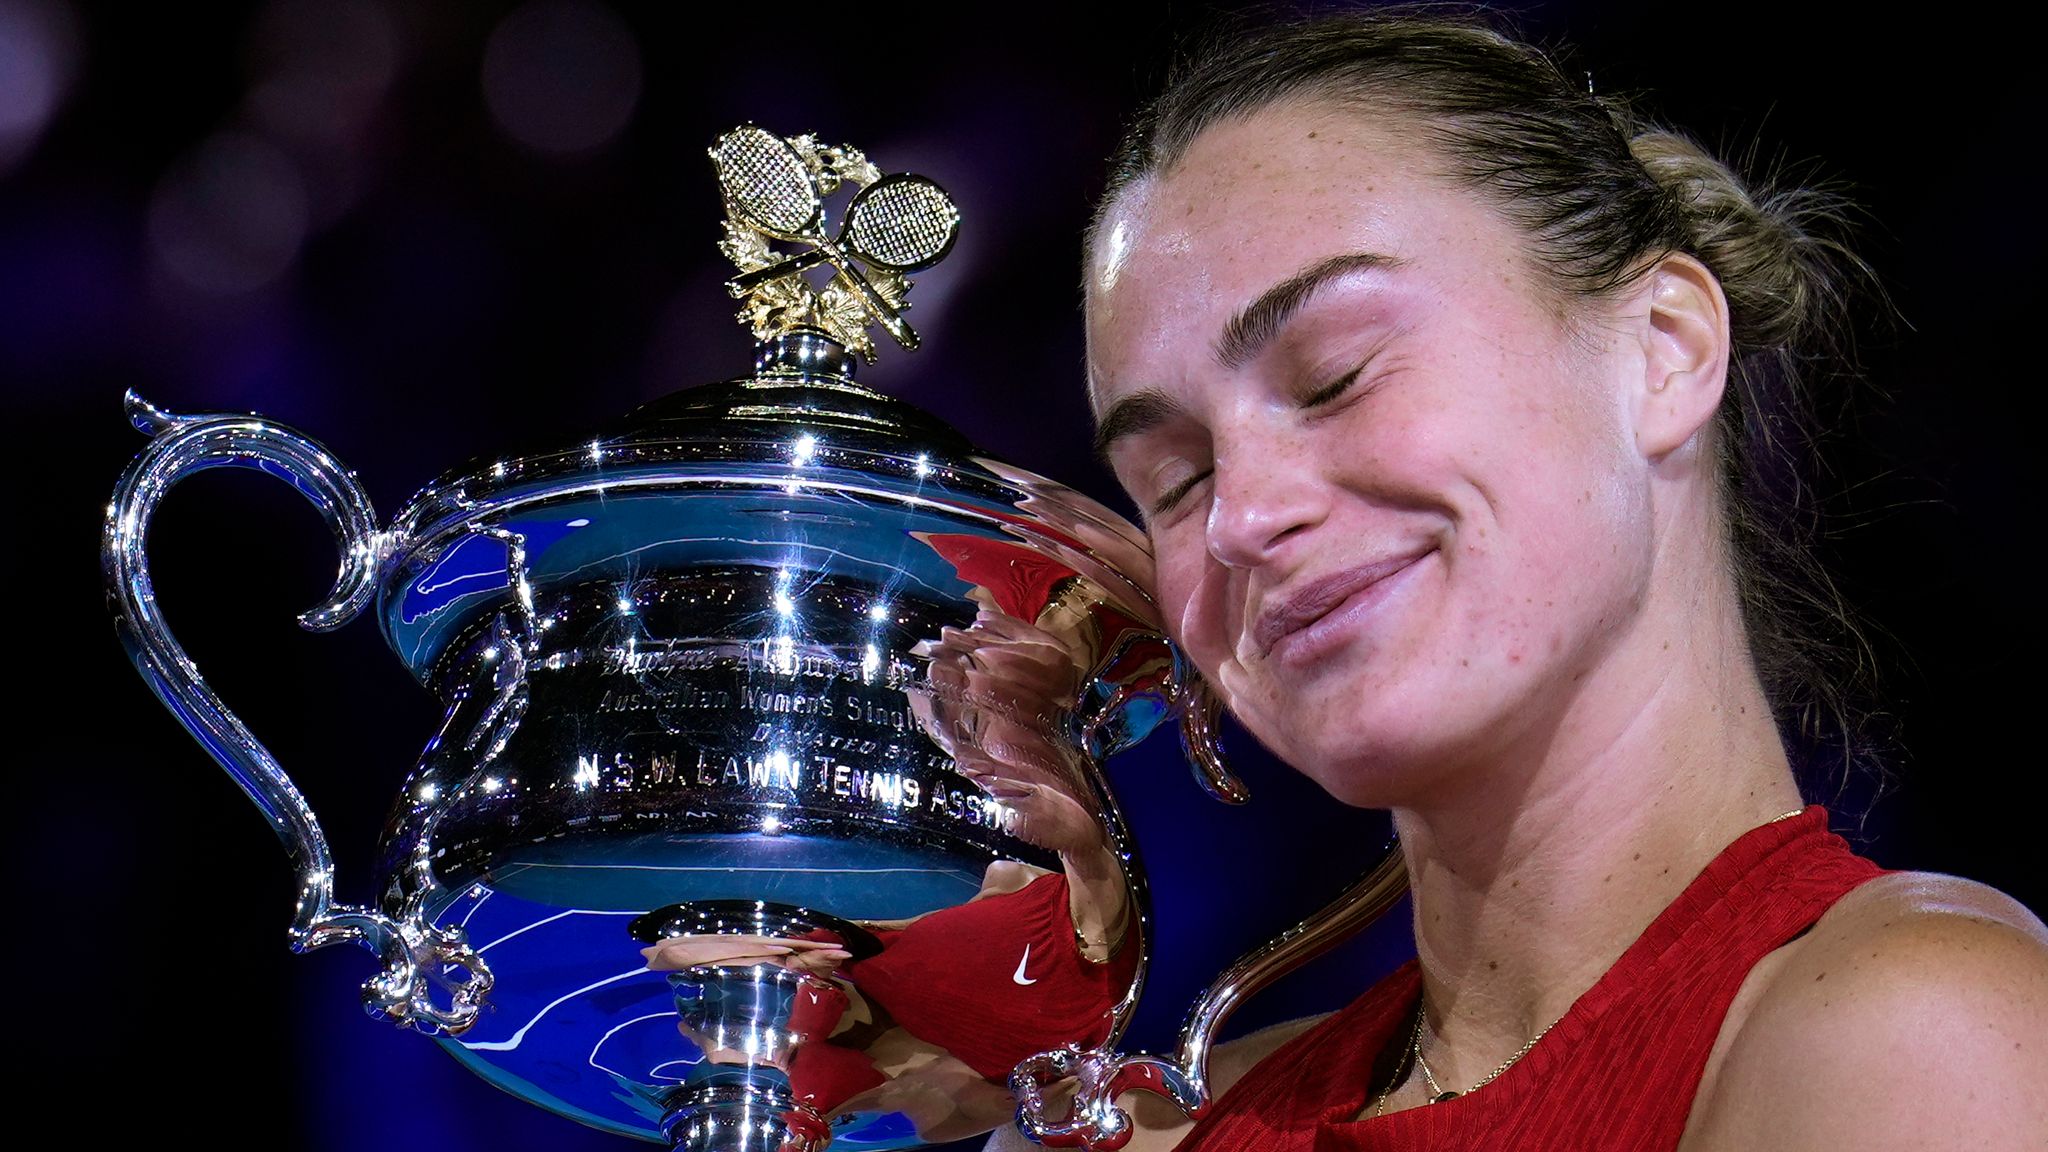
<point x="766" y="811"/>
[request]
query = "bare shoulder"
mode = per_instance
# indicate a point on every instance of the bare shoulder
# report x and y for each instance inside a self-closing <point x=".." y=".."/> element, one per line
<point x="1913" y="1015"/>
<point x="1157" y="1125"/>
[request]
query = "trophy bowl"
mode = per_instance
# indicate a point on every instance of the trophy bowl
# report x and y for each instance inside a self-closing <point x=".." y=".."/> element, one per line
<point x="766" y="810"/>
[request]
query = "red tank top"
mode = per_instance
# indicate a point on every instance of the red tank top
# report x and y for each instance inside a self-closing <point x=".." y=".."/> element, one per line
<point x="1020" y="579"/>
<point x="997" y="979"/>
<point x="1619" y="1071"/>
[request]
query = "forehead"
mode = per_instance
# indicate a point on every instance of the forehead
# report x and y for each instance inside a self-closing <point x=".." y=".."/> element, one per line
<point x="1257" y="199"/>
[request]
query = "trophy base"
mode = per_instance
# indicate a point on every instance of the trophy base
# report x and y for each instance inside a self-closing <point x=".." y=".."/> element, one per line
<point x="608" y="1053"/>
<point x="751" y="1092"/>
<point x="749" y="1117"/>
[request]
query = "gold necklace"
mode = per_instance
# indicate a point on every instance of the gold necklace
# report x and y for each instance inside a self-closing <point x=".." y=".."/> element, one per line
<point x="1437" y="1093"/>
<point x="1408" y="1053"/>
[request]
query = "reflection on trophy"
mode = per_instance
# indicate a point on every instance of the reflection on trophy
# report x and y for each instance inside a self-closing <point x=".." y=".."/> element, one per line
<point x="767" y="808"/>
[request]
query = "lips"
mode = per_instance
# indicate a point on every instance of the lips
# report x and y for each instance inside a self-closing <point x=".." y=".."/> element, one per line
<point x="1303" y="607"/>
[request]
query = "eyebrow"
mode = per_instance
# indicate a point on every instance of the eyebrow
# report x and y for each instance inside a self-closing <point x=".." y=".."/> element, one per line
<point x="1257" y="323"/>
<point x="1244" y="335"/>
<point x="1141" y="411"/>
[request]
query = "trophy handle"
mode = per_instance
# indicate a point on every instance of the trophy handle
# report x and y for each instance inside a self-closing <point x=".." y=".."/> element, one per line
<point x="1093" y="1120"/>
<point x="1200" y="711"/>
<point x="416" y="954"/>
<point x="481" y="719"/>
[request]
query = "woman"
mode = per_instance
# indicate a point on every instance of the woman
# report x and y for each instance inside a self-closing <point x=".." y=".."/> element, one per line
<point x="1456" y="406"/>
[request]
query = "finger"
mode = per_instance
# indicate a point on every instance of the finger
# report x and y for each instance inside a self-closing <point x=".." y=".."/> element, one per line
<point x="824" y="961"/>
<point x="685" y="955"/>
<point x="730" y="939"/>
<point x="723" y="944"/>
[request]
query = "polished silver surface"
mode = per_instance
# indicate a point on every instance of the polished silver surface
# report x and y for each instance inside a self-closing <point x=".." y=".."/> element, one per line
<point x="1089" y="1116"/>
<point x="418" y="956"/>
<point x="804" y="354"/>
<point x="842" y="669"/>
<point x="767" y="808"/>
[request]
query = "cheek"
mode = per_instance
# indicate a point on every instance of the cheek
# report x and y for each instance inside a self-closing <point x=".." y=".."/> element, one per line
<point x="1193" y="600"/>
<point x="1557" y="558"/>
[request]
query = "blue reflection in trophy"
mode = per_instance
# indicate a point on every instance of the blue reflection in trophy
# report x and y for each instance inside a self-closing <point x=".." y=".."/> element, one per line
<point x="766" y="808"/>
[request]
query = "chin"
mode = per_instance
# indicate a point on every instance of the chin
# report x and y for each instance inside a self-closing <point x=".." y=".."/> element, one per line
<point x="1364" y="773"/>
<point x="1385" y="720"/>
<point x="1371" y="744"/>
<point x="1357" y="764"/>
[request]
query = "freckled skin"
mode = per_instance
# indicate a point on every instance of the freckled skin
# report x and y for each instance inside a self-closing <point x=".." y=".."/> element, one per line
<point x="1486" y="430"/>
<point x="1556" y="696"/>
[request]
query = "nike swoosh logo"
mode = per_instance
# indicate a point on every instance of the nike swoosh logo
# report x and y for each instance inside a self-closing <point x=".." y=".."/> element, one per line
<point x="1020" y="977"/>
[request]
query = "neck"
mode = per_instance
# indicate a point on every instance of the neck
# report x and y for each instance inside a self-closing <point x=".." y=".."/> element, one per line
<point x="1529" y="888"/>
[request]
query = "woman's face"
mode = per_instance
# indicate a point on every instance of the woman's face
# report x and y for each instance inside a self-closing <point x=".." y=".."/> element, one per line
<point x="1395" y="498"/>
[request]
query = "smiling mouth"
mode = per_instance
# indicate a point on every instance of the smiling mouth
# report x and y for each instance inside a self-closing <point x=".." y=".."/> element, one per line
<point x="1295" y="618"/>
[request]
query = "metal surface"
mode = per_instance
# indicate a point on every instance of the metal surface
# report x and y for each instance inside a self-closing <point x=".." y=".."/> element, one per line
<point x="767" y="805"/>
<point x="898" y="223"/>
<point x="716" y="656"/>
<point x="1089" y="1117"/>
<point x="775" y="190"/>
<point x="417" y="955"/>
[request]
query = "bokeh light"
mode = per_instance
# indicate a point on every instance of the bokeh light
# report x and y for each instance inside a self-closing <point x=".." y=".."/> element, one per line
<point x="38" y="46"/>
<point x="561" y="77"/>
<point x="319" y="74"/>
<point x="319" y="70"/>
<point x="430" y="232"/>
<point x="230" y="216"/>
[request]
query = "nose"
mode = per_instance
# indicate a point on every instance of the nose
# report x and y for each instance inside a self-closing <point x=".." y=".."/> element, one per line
<point x="1262" y="496"/>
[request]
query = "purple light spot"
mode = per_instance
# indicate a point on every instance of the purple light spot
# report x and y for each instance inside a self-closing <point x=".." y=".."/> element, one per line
<point x="561" y="77"/>
<point x="229" y="217"/>
<point x="36" y="57"/>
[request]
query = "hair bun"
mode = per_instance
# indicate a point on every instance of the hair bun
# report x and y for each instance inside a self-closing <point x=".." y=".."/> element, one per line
<point x="1774" y="250"/>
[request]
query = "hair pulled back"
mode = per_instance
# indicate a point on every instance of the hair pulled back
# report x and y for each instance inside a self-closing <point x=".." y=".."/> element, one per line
<point x="1600" y="196"/>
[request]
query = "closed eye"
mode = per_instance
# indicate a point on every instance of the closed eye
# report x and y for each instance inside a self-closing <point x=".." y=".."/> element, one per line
<point x="1178" y="492"/>
<point x="1338" y="387"/>
<point x="1333" y="389"/>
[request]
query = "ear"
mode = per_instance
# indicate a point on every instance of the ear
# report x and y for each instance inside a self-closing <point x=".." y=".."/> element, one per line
<point x="1685" y="355"/>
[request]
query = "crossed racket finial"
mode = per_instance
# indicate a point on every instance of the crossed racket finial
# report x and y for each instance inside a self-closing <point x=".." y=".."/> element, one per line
<point x="775" y="189"/>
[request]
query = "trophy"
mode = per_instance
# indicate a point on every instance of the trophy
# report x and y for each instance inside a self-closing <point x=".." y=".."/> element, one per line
<point x="767" y="810"/>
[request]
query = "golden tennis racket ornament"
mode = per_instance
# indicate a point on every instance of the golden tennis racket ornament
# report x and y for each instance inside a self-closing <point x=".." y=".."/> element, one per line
<point x="776" y="189"/>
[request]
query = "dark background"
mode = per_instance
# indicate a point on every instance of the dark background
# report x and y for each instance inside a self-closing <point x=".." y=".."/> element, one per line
<point x="426" y="233"/>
